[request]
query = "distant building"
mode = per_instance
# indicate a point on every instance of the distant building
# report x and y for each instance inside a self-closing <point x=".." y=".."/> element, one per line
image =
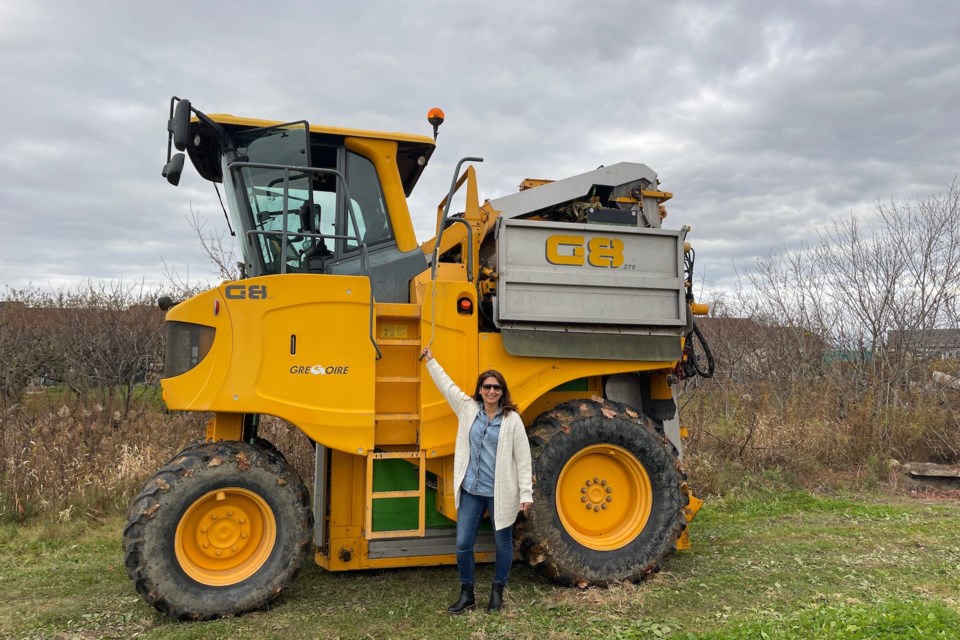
<point x="927" y="344"/>
<point x="748" y="347"/>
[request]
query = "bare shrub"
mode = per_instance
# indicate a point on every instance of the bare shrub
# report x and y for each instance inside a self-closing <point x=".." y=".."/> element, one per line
<point x="220" y="252"/>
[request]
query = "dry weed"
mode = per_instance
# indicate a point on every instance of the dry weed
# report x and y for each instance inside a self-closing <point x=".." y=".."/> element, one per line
<point x="823" y="427"/>
<point x="67" y="462"/>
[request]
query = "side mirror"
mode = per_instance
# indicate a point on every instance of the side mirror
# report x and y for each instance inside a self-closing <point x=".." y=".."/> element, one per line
<point x="180" y="125"/>
<point x="173" y="169"/>
<point x="166" y="303"/>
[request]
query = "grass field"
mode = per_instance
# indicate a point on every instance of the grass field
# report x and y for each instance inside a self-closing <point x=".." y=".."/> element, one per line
<point x="768" y="566"/>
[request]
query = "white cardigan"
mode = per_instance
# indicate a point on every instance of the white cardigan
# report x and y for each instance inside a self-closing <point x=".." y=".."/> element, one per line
<point x="513" y="478"/>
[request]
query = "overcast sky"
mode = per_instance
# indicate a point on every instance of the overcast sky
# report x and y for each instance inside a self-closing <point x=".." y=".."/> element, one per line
<point x="765" y="119"/>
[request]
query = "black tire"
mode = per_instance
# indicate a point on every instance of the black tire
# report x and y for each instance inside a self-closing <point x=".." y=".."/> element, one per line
<point x="262" y="443"/>
<point x="574" y="436"/>
<point x="270" y="448"/>
<point x="179" y="576"/>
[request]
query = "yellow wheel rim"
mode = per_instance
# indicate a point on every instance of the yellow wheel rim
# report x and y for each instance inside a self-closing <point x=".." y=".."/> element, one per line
<point x="225" y="536"/>
<point x="604" y="497"/>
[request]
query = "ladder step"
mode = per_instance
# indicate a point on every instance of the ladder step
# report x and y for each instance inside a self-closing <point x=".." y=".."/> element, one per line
<point x="392" y="342"/>
<point x="395" y="455"/>
<point x="383" y="417"/>
<point x="397" y="310"/>
<point x="377" y="495"/>
<point x="400" y="533"/>
<point x="398" y="379"/>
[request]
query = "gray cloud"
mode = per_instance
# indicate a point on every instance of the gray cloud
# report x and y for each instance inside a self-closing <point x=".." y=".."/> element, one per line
<point x="766" y="119"/>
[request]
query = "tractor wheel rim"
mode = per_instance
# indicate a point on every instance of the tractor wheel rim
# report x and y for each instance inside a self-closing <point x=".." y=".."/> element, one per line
<point x="604" y="497"/>
<point x="225" y="536"/>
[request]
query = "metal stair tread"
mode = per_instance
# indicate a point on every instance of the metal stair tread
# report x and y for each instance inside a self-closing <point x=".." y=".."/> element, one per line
<point x="396" y="416"/>
<point x="399" y="454"/>
<point x="390" y="495"/>
<point x="387" y="310"/>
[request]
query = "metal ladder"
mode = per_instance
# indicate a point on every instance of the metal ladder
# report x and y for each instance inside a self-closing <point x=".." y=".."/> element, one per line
<point x="397" y="435"/>
<point x="420" y="493"/>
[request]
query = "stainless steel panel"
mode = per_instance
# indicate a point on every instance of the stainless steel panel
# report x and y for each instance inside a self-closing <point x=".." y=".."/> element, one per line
<point x="574" y="187"/>
<point x="641" y="286"/>
<point x="599" y="346"/>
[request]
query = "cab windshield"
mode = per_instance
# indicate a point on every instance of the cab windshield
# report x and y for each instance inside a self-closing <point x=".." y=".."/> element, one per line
<point x="309" y="219"/>
<point x="292" y="210"/>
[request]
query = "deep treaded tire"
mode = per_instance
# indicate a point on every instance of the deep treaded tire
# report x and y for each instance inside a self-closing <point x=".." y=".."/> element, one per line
<point x="608" y="495"/>
<point x="221" y="529"/>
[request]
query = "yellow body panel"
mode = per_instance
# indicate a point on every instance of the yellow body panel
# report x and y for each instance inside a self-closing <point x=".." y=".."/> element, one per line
<point x="533" y="378"/>
<point x="690" y="512"/>
<point x="453" y="337"/>
<point x="302" y="353"/>
<point x="346" y="547"/>
<point x="659" y="387"/>
<point x="225" y="426"/>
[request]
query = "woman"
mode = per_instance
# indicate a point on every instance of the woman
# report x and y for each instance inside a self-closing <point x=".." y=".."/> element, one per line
<point x="491" y="472"/>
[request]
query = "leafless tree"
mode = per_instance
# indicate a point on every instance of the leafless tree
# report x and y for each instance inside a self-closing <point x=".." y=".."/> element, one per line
<point x="26" y="351"/>
<point x="101" y="341"/>
<point x="112" y="336"/>
<point x="219" y="249"/>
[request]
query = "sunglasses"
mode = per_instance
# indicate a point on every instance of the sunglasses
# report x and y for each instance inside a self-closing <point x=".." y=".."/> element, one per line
<point x="491" y="387"/>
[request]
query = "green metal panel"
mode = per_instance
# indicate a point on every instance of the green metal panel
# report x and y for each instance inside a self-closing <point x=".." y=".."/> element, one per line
<point x="580" y="384"/>
<point x="392" y="514"/>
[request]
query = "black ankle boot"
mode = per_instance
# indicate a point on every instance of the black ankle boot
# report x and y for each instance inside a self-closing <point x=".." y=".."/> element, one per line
<point x="496" y="597"/>
<point x="466" y="601"/>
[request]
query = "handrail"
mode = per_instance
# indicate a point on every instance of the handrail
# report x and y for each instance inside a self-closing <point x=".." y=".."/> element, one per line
<point x="454" y="185"/>
<point x="284" y="233"/>
<point x="446" y="212"/>
<point x="323" y="236"/>
<point x="469" y="246"/>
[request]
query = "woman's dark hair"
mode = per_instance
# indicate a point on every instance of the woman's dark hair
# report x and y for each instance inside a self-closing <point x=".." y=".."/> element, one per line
<point x="505" y="402"/>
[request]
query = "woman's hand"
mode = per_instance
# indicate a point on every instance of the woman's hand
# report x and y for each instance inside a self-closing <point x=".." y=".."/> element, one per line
<point x="426" y="354"/>
<point x="525" y="508"/>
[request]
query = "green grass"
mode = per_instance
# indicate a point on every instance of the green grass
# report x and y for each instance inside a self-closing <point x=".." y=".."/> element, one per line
<point x="775" y="566"/>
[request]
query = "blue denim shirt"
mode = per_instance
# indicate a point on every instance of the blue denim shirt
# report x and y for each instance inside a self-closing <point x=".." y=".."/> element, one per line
<point x="484" y="436"/>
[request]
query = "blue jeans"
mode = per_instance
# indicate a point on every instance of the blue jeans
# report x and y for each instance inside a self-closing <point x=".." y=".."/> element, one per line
<point x="469" y="515"/>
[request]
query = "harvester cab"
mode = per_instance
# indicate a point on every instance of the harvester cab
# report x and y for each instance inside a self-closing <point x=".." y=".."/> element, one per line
<point x="571" y="288"/>
<point x="310" y="200"/>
